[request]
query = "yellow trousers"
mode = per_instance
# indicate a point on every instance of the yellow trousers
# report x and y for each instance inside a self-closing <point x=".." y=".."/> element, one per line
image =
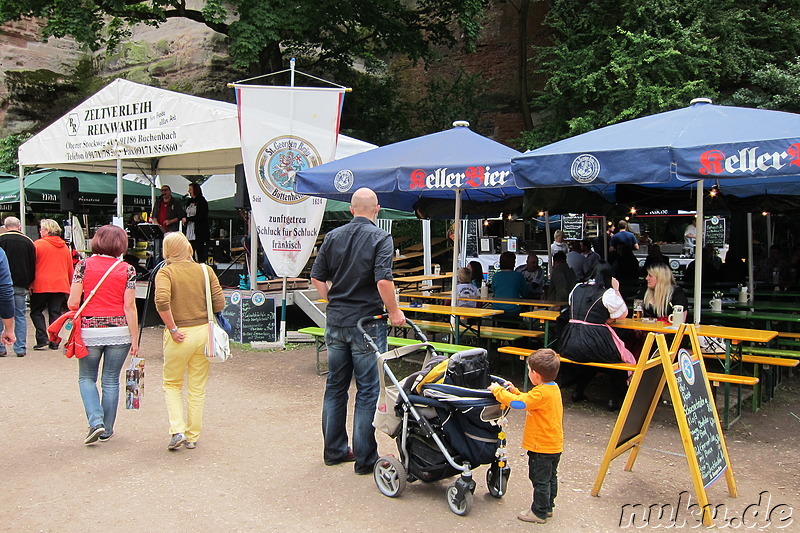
<point x="186" y="357"/>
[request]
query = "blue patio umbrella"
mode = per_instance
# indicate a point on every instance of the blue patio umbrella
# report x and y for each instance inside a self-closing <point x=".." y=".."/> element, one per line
<point x="423" y="173"/>
<point x="742" y="149"/>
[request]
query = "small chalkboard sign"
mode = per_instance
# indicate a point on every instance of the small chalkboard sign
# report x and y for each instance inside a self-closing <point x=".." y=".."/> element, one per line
<point x="471" y="237"/>
<point x="703" y="426"/>
<point x="572" y="226"/>
<point x="714" y="232"/>
<point x="233" y="312"/>
<point x="258" y="318"/>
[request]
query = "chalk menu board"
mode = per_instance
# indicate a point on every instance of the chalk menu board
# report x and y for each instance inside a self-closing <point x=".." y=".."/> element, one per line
<point x="700" y="417"/>
<point x="638" y="414"/>
<point x="233" y="312"/>
<point x="572" y="226"/>
<point x="714" y="232"/>
<point x="258" y="318"/>
<point x="471" y="234"/>
<point x="252" y="318"/>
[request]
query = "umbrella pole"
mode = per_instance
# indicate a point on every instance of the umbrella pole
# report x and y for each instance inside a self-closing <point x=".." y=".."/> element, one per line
<point x="549" y="242"/>
<point x="604" y="229"/>
<point x="698" y="254"/>
<point x="750" y="282"/>
<point x="119" y="189"/>
<point x="456" y="242"/>
<point x="426" y="247"/>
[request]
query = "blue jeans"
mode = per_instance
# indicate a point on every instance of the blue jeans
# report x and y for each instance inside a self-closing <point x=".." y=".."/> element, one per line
<point x="543" y="473"/>
<point x="20" y="319"/>
<point x="349" y="355"/>
<point x="104" y="412"/>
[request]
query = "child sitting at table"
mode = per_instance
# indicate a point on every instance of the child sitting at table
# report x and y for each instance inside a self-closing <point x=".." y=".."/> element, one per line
<point x="465" y="288"/>
<point x="543" y="436"/>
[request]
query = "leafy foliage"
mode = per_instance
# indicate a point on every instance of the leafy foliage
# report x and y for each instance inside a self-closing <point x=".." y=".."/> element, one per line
<point x="265" y="31"/>
<point x="614" y="60"/>
<point x="8" y="152"/>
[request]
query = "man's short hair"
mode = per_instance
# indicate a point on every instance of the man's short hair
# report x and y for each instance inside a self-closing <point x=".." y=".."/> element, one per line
<point x="622" y="225"/>
<point x="545" y="362"/>
<point x="12" y="222"/>
<point x="559" y="257"/>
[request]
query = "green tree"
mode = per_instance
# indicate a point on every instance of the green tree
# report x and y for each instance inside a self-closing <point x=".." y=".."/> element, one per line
<point x="614" y="60"/>
<point x="263" y="33"/>
<point x="8" y="152"/>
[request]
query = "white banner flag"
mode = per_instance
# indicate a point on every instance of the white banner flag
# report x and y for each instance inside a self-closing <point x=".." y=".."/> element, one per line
<point x="285" y="130"/>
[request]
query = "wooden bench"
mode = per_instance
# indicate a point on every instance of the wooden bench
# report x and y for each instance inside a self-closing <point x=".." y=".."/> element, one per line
<point x="491" y="333"/>
<point x="713" y="377"/>
<point x="319" y="342"/>
<point x="771" y="360"/>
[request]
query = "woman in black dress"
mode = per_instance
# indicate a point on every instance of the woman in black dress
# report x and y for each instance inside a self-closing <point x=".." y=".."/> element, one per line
<point x="197" y="222"/>
<point x="589" y="337"/>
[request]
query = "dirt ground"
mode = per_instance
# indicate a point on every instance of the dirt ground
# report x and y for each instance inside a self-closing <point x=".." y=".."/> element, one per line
<point x="258" y="465"/>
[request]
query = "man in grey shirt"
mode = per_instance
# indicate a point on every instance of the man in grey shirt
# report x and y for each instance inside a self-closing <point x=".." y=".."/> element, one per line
<point x="356" y="259"/>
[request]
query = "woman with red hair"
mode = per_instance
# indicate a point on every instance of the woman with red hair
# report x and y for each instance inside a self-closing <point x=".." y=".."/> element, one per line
<point x="109" y="326"/>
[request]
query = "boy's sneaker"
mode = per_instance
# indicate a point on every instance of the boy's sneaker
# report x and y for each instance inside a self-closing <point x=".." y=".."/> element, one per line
<point x="94" y="434"/>
<point x="191" y="445"/>
<point x="105" y="437"/>
<point x="178" y="440"/>
<point x="528" y="516"/>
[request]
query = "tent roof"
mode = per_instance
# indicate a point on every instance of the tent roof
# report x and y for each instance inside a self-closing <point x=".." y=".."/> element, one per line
<point x="154" y="131"/>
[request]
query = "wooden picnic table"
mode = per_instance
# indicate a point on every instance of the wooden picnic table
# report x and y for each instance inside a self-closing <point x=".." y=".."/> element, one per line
<point x="453" y="311"/>
<point x="788" y="319"/>
<point x="489" y="300"/>
<point x="406" y="281"/>
<point x="406" y="256"/>
<point x="731" y="335"/>
<point x="419" y="246"/>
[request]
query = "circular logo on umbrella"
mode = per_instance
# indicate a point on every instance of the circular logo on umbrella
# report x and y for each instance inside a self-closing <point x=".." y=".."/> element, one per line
<point x="585" y="168"/>
<point x="343" y="180"/>
<point x="278" y="163"/>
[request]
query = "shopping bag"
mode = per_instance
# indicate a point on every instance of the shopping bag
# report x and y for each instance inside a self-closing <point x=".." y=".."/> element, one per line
<point x="218" y="348"/>
<point x="134" y="383"/>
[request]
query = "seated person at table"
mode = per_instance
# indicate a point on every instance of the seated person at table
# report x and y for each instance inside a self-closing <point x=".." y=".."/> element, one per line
<point x="534" y="275"/>
<point x="562" y="279"/>
<point x="465" y="288"/>
<point x="476" y="269"/>
<point x="662" y="294"/>
<point x="589" y="337"/>
<point x="506" y="283"/>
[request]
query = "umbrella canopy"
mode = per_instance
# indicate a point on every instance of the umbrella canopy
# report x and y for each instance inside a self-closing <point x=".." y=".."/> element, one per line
<point x="702" y="141"/>
<point x="96" y="189"/>
<point x="421" y="172"/>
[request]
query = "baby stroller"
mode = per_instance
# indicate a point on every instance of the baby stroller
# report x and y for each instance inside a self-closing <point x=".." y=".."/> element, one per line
<point x="444" y="420"/>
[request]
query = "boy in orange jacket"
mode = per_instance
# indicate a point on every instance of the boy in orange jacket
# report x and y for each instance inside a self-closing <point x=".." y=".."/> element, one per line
<point x="544" y="431"/>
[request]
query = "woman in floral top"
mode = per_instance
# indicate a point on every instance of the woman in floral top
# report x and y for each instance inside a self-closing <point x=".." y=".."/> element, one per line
<point x="109" y="327"/>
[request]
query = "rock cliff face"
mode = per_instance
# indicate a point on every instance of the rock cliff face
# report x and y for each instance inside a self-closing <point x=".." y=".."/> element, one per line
<point x="39" y="82"/>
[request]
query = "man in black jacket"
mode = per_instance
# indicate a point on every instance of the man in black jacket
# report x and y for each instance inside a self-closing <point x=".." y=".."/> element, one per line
<point x="22" y="263"/>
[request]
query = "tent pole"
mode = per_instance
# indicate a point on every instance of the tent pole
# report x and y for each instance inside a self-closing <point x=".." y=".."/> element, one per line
<point x="698" y="254"/>
<point x="22" y="197"/>
<point x="604" y="229"/>
<point x="253" y="252"/>
<point x="119" y="187"/>
<point x="769" y="232"/>
<point x="750" y="281"/>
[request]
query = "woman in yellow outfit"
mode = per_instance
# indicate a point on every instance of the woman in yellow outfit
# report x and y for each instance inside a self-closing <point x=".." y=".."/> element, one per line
<point x="180" y="300"/>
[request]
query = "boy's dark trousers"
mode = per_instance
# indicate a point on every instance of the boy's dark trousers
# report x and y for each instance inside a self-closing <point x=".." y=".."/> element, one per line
<point x="543" y="473"/>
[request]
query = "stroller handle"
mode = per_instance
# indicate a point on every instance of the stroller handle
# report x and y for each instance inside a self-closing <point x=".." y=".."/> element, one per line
<point x="360" y="325"/>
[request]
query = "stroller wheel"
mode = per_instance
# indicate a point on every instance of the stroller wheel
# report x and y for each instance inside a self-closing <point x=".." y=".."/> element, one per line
<point x="390" y="476"/>
<point x="460" y="506"/>
<point x="497" y="480"/>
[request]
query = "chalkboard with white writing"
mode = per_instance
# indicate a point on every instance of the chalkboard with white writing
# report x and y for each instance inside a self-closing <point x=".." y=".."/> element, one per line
<point x="258" y="318"/>
<point x="703" y="426"/>
<point x="572" y="226"/>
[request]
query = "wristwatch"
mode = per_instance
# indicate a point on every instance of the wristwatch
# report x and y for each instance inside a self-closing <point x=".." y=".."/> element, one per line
<point x="174" y="330"/>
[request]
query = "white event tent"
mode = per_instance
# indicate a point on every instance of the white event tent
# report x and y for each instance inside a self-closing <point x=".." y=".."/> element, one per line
<point x="127" y="127"/>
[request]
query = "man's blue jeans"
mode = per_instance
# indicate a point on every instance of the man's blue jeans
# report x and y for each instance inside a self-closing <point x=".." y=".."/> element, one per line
<point x="101" y="412"/>
<point x="20" y="319"/>
<point x="349" y="355"/>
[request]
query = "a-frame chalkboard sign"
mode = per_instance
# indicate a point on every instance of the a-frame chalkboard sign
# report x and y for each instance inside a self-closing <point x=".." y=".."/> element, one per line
<point x="684" y="374"/>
